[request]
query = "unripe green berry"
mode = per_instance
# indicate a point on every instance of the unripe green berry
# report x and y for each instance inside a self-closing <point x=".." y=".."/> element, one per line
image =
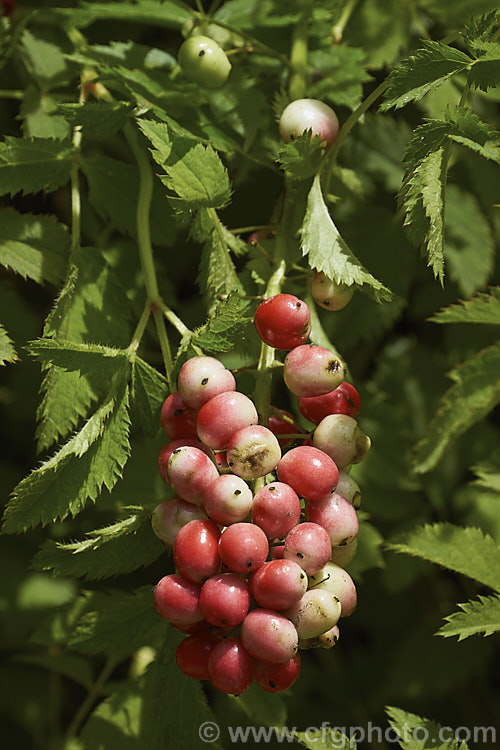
<point x="204" y="61"/>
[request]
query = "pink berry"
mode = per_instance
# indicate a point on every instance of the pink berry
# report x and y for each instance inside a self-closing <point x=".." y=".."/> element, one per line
<point x="343" y="400"/>
<point x="273" y="678"/>
<point x="340" y="437"/>
<point x="171" y="515"/>
<point x="277" y="551"/>
<point x="310" y="472"/>
<point x="167" y="450"/>
<point x="308" y="114"/>
<point x="278" y="584"/>
<point x="276" y="509"/>
<point x="315" y="613"/>
<point x="230" y="667"/>
<point x="253" y="452"/>
<point x="190" y="471"/>
<point x="336" y="515"/>
<point x="178" y="600"/>
<point x="228" y="499"/>
<point x="243" y="547"/>
<point x="338" y="582"/>
<point x="196" y="550"/>
<point x="225" y="599"/>
<point x="328" y="293"/>
<point x="308" y="544"/>
<point x="222" y="416"/>
<point x="177" y="418"/>
<point x="269" y="636"/>
<point x="283" y="321"/>
<point x="193" y="652"/>
<point x="311" y="370"/>
<point x="202" y="378"/>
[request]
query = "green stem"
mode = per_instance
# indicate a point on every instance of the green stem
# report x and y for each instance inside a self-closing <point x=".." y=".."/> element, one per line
<point x="76" y="204"/>
<point x="11" y="94"/>
<point x="173" y="319"/>
<point x="87" y="703"/>
<point x="338" y="28"/>
<point x="298" y="57"/>
<point x="145" y="247"/>
<point x="140" y="328"/>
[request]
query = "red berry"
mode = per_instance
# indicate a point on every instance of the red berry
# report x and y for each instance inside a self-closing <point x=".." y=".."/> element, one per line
<point x="177" y="418"/>
<point x="310" y="472"/>
<point x="225" y="599"/>
<point x="202" y="378"/>
<point x="269" y="636"/>
<point x="177" y="600"/>
<point x="230" y="667"/>
<point x="193" y="652"/>
<point x="222" y="416"/>
<point x="336" y="515"/>
<point x="283" y="321"/>
<point x="190" y="471"/>
<point x="343" y="400"/>
<point x="196" y="554"/>
<point x="308" y="544"/>
<point x="278" y="584"/>
<point x="243" y="547"/>
<point x="308" y="114"/>
<point x="273" y="678"/>
<point x="311" y="370"/>
<point x="276" y="509"/>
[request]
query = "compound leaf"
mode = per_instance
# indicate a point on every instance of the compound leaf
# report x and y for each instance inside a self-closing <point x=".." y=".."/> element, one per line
<point x="7" y="350"/>
<point x="28" y="166"/>
<point x="418" y="733"/>
<point x="483" y="308"/>
<point x="228" y="322"/>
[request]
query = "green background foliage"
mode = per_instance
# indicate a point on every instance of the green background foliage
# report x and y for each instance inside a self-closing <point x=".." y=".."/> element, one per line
<point x="127" y="194"/>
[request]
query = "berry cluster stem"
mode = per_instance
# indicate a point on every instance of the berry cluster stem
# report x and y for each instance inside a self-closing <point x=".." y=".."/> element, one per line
<point x="298" y="57"/>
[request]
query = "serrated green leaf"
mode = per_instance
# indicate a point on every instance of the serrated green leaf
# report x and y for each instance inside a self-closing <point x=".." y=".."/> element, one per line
<point x="328" y="252"/>
<point x="118" y="623"/>
<point x="481" y="615"/>
<point x="418" y="733"/>
<point x="93" y="457"/>
<point x="114" y="550"/>
<point x="483" y="308"/>
<point x="324" y="739"/>
<point x="27" y="166"/>
<point x="91" y="307"/>
<point x="80" y="357"/>
<point x="425" y="139"/>
<point x="485" y="72"/>
<point x="44" y="60"/>
<point x="38" y="115"/>
<point x="479" y="28"/>
<point x="7" y="350"/>
<point x="302" y="157"/>
<point x="101" y="119"/>
<point x="469" y="246"/>
<point x="488" y="473"/>
<point x="475" y="392"/>
<point x="470" y="131"/>
<point x="36" y="247"/>
<point x="420" y="72"/>
<point x="149" y="391"/>
<point x="225" y="327"/>
<point x="422" y="196"/>
<point x="464" y="550"/>
<point x="113" y="192"/>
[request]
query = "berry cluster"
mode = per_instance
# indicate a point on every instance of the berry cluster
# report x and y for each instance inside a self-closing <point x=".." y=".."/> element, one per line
<point x="265" y="517"/>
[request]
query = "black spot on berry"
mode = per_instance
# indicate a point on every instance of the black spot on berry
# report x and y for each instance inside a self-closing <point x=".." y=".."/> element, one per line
<point x="237" y="492"/>
<point x="272" y="488"/>
<point x="299" y="555"/>
<point x="292" y="136"/>
<point x="201" y="53"/>
<point x="272" y="684"/>
<point x="204" y="381"/>
<point x="231" y="463"/>
<point x="178" y="412"/>
<point x="177" y="450"/>
<point x="351" y="403"/>
<point x="326" y="301"/>
<point x="249" y="564"/>
<point x="333" y="365"/>
<point x="298" y="304"/>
